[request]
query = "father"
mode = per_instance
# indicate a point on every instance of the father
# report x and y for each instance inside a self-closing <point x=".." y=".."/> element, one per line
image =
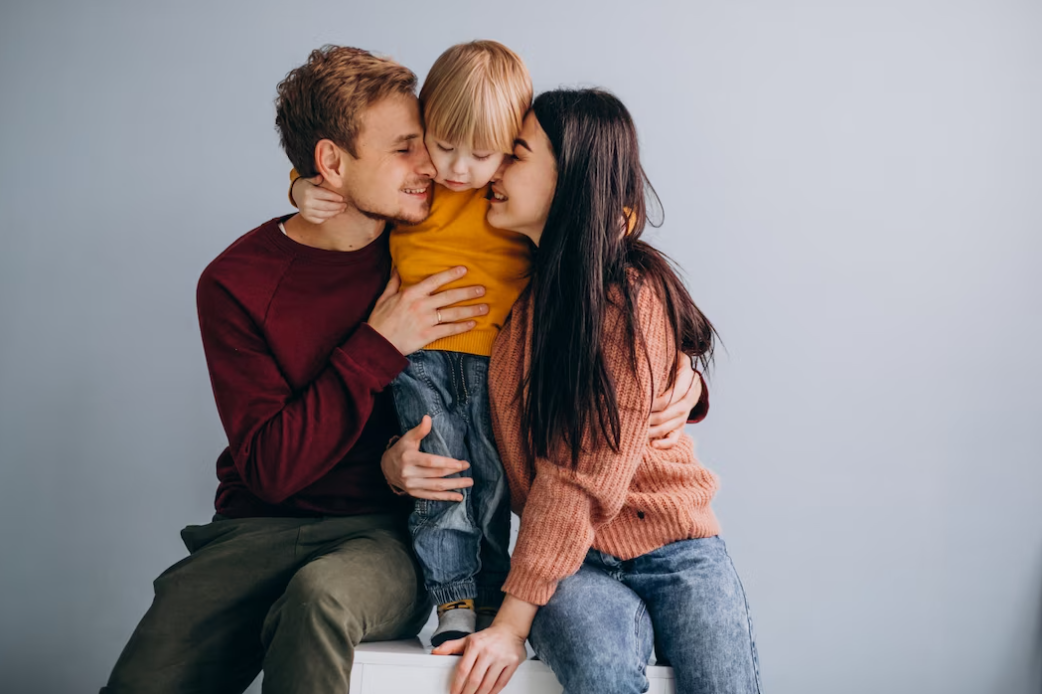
<point x="304" y="327"/>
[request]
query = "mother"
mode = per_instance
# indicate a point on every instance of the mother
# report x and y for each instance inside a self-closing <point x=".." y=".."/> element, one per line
<point x="618" y="549"/>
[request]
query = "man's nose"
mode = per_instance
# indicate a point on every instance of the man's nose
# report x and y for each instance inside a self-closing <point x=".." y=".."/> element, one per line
<point x="424" y="165"/>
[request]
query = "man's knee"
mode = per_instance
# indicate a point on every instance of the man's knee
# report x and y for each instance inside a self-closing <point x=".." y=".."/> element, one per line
<point x="317" y="595"/>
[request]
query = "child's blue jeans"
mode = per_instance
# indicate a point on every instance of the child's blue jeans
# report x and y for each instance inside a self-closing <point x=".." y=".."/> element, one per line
<point x="463" y="546"/>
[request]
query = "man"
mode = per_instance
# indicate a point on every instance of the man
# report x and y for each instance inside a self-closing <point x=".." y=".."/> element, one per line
<point x="303" y="331"/>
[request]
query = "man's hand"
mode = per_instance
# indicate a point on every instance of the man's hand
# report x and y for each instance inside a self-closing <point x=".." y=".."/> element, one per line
<point x="413" y="317"/>
<point x="419" y="474"/>
<point x="670" y="410"/>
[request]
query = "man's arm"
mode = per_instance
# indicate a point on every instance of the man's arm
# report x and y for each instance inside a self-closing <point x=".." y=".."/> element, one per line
<point x="281" y="441"/>
<point x="686" y="403"/>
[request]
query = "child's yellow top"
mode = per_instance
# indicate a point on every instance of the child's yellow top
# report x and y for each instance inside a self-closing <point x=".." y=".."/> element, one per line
<point x="456" y="233"/>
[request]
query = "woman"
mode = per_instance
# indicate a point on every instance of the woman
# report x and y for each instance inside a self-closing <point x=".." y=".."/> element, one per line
<point x="618" y="549"/>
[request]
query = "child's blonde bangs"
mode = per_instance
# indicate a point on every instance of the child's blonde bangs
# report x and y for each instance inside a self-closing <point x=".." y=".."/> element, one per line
<point x="476" y="95"/>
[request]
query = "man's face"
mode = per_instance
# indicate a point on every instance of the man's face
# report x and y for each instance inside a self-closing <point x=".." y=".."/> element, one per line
<point x="391" y="178"/>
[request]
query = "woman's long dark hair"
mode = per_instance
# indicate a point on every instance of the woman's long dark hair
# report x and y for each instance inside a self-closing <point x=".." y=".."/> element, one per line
<point x="584" y="262"/>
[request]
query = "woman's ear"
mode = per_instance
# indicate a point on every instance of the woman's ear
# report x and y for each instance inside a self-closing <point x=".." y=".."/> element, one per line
<point x="331" y="162"/>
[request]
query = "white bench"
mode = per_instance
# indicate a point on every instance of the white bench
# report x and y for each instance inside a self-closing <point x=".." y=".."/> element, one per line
<point x="408" y="667"/>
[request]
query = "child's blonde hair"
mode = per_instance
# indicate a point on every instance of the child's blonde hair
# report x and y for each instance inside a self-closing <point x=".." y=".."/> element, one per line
<point x="477" y="95"/>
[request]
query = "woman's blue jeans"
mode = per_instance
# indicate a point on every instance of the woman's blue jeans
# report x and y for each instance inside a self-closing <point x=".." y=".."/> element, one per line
<point x="684" y="600"/>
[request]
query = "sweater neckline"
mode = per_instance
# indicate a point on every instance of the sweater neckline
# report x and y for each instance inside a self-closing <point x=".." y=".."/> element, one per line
<point x="274" y="235"/>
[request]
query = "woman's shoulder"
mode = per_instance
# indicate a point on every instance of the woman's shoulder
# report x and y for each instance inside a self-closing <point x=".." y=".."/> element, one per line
<point x="646" y="295"/>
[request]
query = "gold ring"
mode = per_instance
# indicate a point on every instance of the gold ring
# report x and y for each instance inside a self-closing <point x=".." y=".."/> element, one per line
<point x="438" y="311"/>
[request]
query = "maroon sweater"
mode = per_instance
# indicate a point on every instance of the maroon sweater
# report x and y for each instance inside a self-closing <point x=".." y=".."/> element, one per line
<point x="300" y="379"/>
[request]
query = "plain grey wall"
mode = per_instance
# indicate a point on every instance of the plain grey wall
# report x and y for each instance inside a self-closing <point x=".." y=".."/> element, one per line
<point x="853" y="189"/>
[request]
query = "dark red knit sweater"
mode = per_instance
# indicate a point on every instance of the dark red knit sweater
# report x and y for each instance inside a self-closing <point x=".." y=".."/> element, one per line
<point x="300" y="380"/>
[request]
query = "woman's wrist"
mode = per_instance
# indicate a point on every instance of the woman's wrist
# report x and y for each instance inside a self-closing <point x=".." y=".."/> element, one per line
<point x="516" y="615"/>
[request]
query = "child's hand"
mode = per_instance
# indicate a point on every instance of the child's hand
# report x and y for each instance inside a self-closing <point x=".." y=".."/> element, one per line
<point x="316" y="204"/>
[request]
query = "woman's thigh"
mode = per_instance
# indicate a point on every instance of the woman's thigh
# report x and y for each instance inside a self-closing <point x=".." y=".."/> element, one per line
<point x="595" y="635"/>
<point x="700" y="615"/>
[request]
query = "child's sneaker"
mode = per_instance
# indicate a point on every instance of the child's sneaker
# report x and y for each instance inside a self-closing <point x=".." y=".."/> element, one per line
<point x="455" y="621"/>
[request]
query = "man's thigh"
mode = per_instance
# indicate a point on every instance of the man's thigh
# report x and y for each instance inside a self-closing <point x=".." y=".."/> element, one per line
<point x="365" y="573"/>
<point x="202" y="632"/>
<point x="363" y="588"/>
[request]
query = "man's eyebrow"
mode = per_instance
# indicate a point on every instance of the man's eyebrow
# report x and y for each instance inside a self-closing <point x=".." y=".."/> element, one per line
<point x="521" y="142"/>
<point x="402" y="139"/>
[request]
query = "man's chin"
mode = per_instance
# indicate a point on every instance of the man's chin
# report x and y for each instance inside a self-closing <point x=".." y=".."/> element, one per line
<point x="399" y="217"/>
<point x="407" y="217"/>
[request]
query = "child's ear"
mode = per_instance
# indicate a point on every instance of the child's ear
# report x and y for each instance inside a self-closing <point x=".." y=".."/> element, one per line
<point x="330" y="161"/>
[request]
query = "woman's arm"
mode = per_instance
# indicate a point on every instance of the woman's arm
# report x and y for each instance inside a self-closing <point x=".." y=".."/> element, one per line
<point x="566" y="505"/>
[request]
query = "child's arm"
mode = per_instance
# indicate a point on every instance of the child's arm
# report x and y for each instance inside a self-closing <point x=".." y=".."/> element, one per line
<point x="316" y="204"/>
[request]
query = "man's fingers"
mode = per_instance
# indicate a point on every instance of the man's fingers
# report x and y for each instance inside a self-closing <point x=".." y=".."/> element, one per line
<point x="677" y="409"/>
<point x="416" y="434"/>
<point x="657" y="432"/>
<point x="667" y="441"/>
<point x="435" y="496"/>
<point x="445" y="467"/>
<point x="431" y="284"/>
<point x="436" y="484"/>
<point x="453" y="296"/>
<point x="450" y="315"/>
<point x="660" y="403"/>
<point x="448" y="329"/>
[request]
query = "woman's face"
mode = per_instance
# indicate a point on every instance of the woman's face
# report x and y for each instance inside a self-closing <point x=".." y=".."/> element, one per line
<point x="524" y="185"/>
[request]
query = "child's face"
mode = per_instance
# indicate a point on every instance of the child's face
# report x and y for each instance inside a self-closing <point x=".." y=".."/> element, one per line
<point x="459" y="167"/>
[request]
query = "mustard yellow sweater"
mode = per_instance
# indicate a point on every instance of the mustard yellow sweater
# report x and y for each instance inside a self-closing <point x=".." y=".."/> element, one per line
<point x="456" y="233"/>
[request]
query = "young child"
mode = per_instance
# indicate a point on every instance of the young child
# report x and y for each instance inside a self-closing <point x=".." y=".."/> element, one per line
<point x="474" y="101"/>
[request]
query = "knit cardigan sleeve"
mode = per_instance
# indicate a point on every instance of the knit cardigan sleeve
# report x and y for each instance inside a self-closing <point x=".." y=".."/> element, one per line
<point x="567" y="505"/>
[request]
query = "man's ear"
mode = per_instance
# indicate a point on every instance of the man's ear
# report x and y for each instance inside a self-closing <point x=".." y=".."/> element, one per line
<point x="331" y="162"/>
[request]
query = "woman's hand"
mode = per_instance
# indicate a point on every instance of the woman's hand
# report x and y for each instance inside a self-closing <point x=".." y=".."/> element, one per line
<point x="490" y="658"/>
<point x="422" y="475"/>
<point x="316" y="204"/>
<point x="670" y="410"/>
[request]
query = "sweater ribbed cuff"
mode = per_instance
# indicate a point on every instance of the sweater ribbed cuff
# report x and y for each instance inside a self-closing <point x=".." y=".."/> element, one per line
<point x="526" y="585"/>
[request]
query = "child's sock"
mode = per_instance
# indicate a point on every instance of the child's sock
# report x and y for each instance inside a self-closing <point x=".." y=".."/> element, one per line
<point x="486" y="615"/>
<point x="455" y="620"/>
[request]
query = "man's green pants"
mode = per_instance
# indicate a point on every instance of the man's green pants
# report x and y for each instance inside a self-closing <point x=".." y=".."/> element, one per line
<point x="290" y="596"/>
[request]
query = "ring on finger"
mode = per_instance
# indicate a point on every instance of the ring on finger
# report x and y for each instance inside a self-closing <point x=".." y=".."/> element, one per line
<point x="438" y="312"/>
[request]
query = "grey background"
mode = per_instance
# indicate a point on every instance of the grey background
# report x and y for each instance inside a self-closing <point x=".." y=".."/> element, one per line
<point x="853" y="189"/>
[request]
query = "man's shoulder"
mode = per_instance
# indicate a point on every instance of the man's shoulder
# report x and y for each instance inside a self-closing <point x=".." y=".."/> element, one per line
<point x="251" y="266"/>
<point x="251" y="258"/>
